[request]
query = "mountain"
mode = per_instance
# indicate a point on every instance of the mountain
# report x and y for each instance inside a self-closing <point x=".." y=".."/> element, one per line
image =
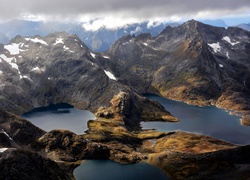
<point x="100" y="40"/>
<point x="20" y="27"/>
<point x="97" y="40"/>
<point x="244" y="26"/>
<point x="217" y="22"/>
<point x="195" y="63"/>
<point x="37" y="71"/>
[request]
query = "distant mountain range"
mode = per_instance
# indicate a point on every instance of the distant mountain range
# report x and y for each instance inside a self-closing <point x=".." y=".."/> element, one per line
<point x="98" y="40"/>
<point x="244" y="26"/>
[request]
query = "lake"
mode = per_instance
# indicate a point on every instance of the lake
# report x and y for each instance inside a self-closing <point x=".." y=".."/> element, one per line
<point x="64" y="116"/>
<point x="209" y="120"/>
<point x="109" y="170"/>
<point x="60" y="116"/>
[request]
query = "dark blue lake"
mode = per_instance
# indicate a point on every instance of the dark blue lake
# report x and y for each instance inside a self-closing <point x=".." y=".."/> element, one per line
<point x="64" y="116"/>
<point x="209" y="120"/>
<point x="109" y="170"/>
<point x="60" y="116"/>
<point x="203" y="120"/>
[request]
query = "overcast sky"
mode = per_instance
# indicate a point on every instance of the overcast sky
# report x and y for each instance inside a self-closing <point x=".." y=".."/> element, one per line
<point x="122" y="10"/>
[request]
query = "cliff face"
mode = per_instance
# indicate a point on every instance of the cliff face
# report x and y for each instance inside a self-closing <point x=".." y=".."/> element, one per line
<point x="195" y="63"/>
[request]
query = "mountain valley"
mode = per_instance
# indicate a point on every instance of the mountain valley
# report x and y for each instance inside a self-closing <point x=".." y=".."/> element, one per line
<point x="195" y="63"/>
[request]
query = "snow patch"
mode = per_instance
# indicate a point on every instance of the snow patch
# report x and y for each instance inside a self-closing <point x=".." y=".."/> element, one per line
<point x="14" y="48"/>
<point x="145" y="44"/>
<point x="226" y="38"/>
<point x="125" y="43"/>
<point x="106" y="57"/>
<point x="3" y="149"/>
<point x="221" y="66"/>
<point x="35" y="69"/>
<point x="110" y="75"/>
<point x="26" y="77"/>
<point x="67" y="49"/>
<point x="93" y="55"/>
<point x="216" y="46"/>
<point x="36" y="40"/>
<point x="7" y="135"/>
<point x="1" y="72"/>
<point x="227" y="54"/>
<point x="59" y="41"/>
<point x="137" y="30"/>
<point x="5" y="58"/>
<point x="11" y="61"/>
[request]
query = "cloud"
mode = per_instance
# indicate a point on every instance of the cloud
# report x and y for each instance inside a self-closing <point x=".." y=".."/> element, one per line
<point x="123" y="9"/>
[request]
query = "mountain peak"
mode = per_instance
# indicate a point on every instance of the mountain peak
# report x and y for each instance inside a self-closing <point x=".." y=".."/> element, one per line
<point x="191" y="22"/>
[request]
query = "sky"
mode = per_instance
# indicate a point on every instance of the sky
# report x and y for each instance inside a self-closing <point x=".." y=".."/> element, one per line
<point x="118" y="12"/>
